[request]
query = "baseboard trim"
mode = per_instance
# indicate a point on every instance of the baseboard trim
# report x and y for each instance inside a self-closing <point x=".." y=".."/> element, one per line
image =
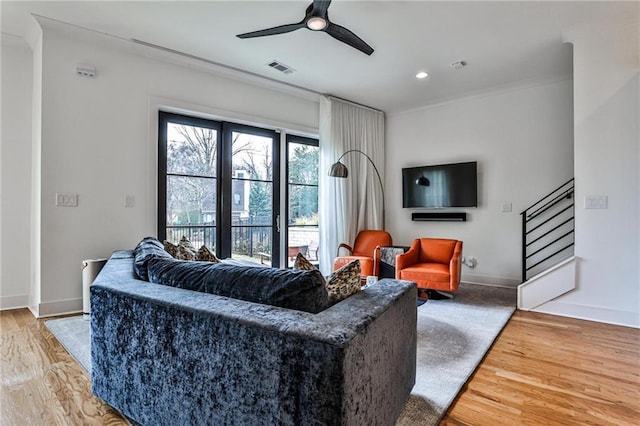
<point x="488" y="284"/>
<point x="590" y="313"/>
<point x="490" y="280"/>
<point x="59" y="307"/>
<point x="14" y="302"/>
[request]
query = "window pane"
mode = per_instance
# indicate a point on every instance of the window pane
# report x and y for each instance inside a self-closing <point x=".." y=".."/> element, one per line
<point x="252" y="157"/>
<point x="191" y="201"/>
<point x="251" y="202"/>
<point x="197" y="235"/>
<point x="303" y="163"/>
<point x="252" y="243"/>
<point x="252" y="198"/>
<point x="303" y="205"/>
<point x="191" y="150"/>
<point x="303" y="239"/>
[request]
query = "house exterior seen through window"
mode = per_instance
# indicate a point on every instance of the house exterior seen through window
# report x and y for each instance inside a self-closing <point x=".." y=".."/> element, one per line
<point x="219" y="186"/>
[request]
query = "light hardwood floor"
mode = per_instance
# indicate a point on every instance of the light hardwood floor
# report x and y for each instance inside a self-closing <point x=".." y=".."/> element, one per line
<point x="542" y="370"/>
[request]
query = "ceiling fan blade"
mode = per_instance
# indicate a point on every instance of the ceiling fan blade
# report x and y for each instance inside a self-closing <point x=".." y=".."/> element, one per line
<point x="273" y="31"/>
<point x="344" y="35"/>
<point x="320" y="7"/>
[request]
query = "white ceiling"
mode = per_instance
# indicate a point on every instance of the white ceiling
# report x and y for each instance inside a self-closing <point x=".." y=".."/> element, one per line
<point x="504" y="43"/>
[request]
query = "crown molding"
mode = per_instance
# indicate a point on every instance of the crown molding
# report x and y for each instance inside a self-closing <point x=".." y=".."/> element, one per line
<point x="175" y="57"/>
<point x="489" y="92"/>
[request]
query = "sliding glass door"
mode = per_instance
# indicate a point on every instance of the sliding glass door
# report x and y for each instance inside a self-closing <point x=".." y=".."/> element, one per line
<point x="254" y="193"/>
<point x="188" y="188"/>
<point x="219" y="185"/>
<point x="302" y="190"/>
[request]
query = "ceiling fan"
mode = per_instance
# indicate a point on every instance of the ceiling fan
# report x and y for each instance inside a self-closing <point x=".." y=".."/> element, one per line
<point x="317" y="19"/>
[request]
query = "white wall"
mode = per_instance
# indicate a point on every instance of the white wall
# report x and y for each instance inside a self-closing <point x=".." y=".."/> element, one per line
<point x="607" y="162"/>
<point x="523" y="143"/>
<point x="99" y="141"/>
<point x="15" y="156"/>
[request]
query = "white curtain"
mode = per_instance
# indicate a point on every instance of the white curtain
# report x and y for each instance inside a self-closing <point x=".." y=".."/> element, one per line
<point x="349" y="205"/>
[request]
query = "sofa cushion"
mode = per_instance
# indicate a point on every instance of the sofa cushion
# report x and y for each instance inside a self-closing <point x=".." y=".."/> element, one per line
<point x="426" y="272"/>
<point x="302" y="264"/>
<point x="341" y="283"/>
<point x="186" y="251"/>
<point x="437" y="250"/>
<point x="146" y="250"/>
<point x="344" y="282"/>
<point x="170" y="248"/>
<point x="206" y="255"/>
<point x="300" y="290"/>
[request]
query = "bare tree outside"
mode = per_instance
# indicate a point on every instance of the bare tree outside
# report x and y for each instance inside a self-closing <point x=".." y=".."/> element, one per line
<point x="191" y="183"/>
<point x="191" y="199"/>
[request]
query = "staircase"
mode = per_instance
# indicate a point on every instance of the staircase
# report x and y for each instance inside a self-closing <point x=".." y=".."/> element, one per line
<point x="548" y="262"/>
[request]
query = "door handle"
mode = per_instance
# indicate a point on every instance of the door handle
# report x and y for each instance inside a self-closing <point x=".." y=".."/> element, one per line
<point x="278" y="223"/>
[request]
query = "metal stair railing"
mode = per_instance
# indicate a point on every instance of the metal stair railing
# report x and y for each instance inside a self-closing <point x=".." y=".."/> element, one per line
<point x="548" y="229"/>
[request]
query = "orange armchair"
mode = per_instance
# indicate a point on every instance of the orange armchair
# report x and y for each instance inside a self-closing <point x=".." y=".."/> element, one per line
<point x="432" y="263"/>
<point x="364" y="250"/>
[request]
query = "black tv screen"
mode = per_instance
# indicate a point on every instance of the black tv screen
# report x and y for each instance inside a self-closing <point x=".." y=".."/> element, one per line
<point x="440" y="186"/>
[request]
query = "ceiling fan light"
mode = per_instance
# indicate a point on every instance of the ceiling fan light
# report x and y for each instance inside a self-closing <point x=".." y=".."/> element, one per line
<point x="316" y="23"/>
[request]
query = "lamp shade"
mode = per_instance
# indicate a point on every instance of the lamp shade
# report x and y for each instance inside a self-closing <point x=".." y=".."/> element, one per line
<point x="338" y="170"/>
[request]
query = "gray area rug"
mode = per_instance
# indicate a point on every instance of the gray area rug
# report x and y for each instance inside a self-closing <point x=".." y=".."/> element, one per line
<point x="453" y="337"/>
<point x="74" y="333"/>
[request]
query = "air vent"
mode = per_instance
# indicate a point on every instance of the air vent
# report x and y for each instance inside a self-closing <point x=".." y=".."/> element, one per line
<point x="281" y="67"/>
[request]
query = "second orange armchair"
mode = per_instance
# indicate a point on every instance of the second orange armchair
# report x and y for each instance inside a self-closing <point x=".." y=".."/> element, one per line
<point x="432" y="263"/>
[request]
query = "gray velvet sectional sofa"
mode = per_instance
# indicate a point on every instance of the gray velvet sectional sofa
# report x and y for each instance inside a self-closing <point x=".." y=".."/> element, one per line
<point x="164" y="355"/>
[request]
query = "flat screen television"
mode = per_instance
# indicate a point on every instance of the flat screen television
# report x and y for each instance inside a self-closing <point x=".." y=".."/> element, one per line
<point x="440" y="186"/>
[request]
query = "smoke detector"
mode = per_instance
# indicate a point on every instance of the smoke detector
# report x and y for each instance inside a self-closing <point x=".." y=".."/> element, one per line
<point x="458" y="65"/>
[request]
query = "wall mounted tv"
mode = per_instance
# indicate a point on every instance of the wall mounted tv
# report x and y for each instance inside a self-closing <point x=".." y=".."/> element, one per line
<point x="440" y="186"/>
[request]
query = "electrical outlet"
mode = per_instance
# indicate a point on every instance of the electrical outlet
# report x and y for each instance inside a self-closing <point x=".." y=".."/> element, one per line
<point x="505" y="207"/>
<point x="469" y="261"/>
<point x="66" y="200"/>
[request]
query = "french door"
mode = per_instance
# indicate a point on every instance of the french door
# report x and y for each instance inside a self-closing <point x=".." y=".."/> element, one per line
<point x="303" y="155"/>
<point x="218" y="185"/>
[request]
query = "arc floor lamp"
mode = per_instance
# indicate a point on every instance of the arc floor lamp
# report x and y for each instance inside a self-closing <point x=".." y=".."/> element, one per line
<point x="339" y="170"/>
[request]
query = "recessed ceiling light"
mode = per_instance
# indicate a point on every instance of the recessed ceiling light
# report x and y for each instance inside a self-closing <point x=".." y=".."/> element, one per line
<point x="422" y="74"/>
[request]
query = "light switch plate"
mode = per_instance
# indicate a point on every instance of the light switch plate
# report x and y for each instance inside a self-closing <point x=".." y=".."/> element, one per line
<point x="129" y="201"/>
<point x="66" y="200"/>
<point x="595" y="202"/>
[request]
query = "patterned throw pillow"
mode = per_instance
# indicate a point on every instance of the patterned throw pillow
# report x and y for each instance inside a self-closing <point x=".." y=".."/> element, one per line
<point x="186" y="251"/>
<point x="302" y="264"/>
<point x="206" y="255"/>
<point x="170" y="248"/>
<point x="344" y="282"/>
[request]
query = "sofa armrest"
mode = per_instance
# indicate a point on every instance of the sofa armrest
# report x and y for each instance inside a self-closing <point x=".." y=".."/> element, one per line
<point x="410" y="257"/>
<point x="455" y="266"/>
<point x="344" y="246"/>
